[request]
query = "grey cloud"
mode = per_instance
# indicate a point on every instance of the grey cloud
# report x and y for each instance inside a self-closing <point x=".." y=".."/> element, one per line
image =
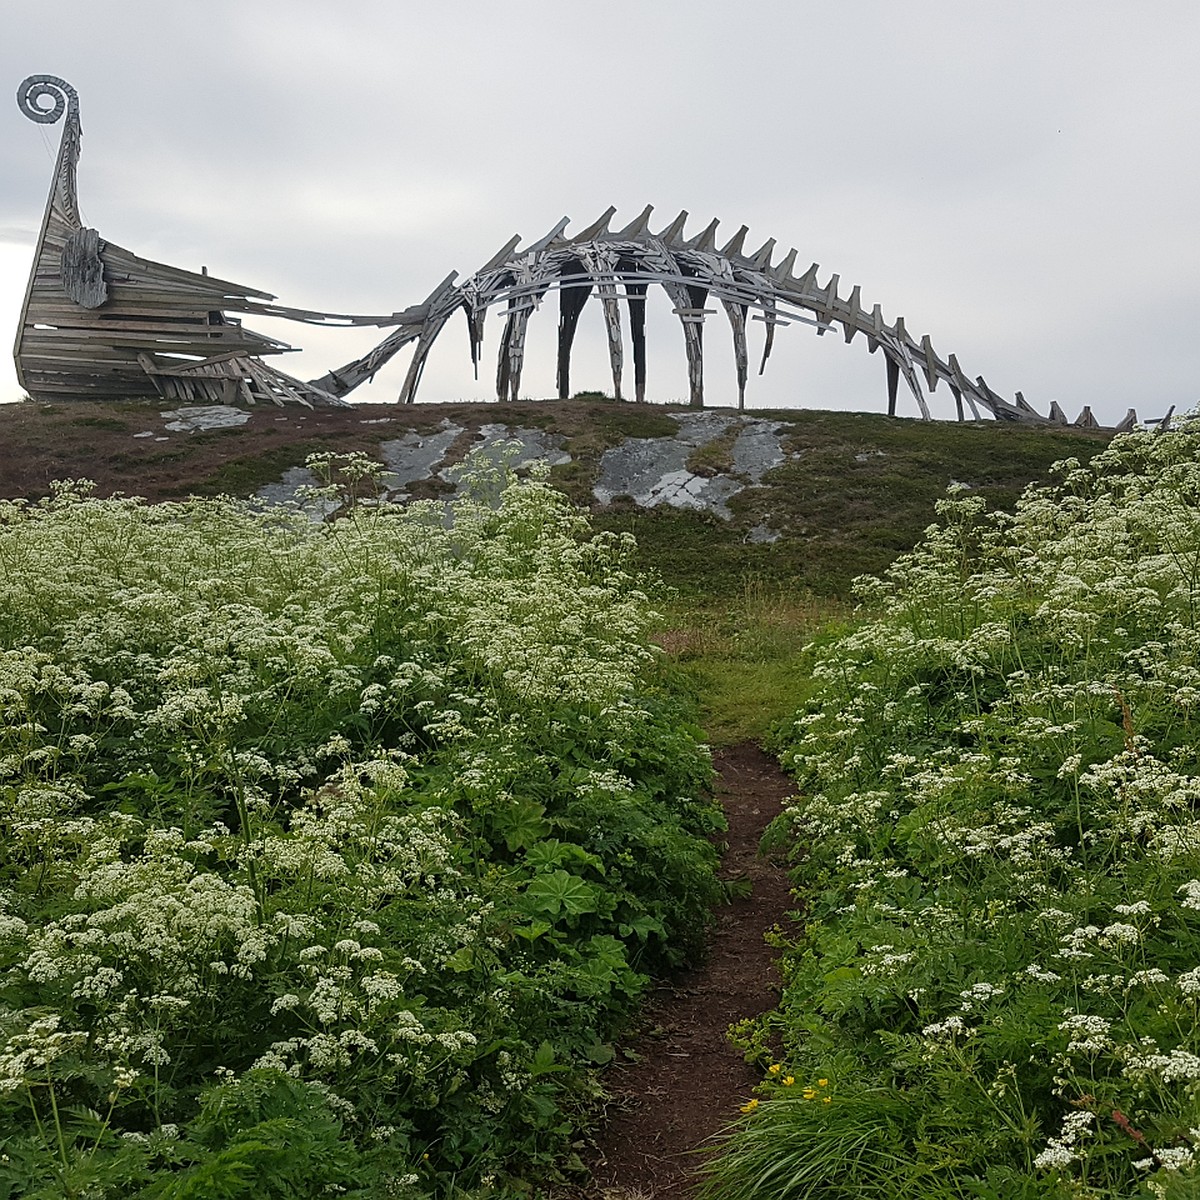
<point x="1012" y="179"/>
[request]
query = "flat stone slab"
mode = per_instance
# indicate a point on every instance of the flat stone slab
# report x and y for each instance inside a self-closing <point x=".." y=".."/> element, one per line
<point x="763" y="534"/>
<point x="287" y="492"/>
<point x="414" y="457"/>
<point x="205" y="416"/>
<point x="653" y="471"/>
<point x="758" y="449"/>
<point x="519" y="448"/>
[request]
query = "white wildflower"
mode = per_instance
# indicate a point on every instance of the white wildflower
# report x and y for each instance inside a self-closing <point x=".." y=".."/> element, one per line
<point x="947" y="1028"/>
<point x="1088" y="1034"/>
<point x="1063" y="1150"/>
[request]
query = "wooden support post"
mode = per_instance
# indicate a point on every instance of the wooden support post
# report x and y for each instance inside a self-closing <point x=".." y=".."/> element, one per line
<point x="693" y="338"/>
<point x="957" y="401"/>
<point x="893" y="383"/>
<point x="570" y="304"/>
<point x="737" y="323"/>
<point x="637" y="335"/>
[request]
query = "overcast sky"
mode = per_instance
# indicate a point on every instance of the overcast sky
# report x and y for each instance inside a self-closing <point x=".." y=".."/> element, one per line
<point x="1018" y="179"/>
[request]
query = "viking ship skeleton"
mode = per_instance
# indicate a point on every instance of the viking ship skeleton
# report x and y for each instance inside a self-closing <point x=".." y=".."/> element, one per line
<point x="100" y="322"/>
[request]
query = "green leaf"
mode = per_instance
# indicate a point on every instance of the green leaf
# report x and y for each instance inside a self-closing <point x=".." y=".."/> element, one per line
<point x="642" y="927"/>
<point x="522" y="823"/>
<point x="533" y="930"/>
<point x="552" y="853"/>
<point x="543" y="1061"/>
<point x="463" y="959"/>
<point x="842" y="975"/>
<point x="562" y="892"/>
<point x="601" y="1053"/>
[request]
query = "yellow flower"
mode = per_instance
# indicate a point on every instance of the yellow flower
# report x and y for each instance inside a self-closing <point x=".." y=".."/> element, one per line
<point x="788" y="1080"/>
<point x="822" y="1083"/>
<point x="774" y="1069"/>
<point x="750" y="1106"/>
<point x="809" y="1093"/>
<point x="827" y="1099"/>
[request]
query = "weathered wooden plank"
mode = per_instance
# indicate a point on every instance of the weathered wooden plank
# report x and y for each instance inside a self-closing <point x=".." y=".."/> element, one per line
<point x="854" y="315"/>
<point x="95" y="306"/>
<point x="931" y="363"/>
<point x="82" y="270"/>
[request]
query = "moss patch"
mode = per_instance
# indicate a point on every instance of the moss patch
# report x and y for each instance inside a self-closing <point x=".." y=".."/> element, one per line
<point x="715" y="457"/>
<point x="861" y="491"/>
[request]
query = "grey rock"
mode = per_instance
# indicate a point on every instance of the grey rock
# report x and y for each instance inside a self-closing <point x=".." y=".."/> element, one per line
<point x="286" y="492"/>
<point x="653" y="471"/>
<point x="757" y="449"/>
<point x="414" y="457"/>
<point x="763" y="533"/>
<point x="531" y="445"/>
<point x="698" y="428"/>
<point x="193" y="419"/>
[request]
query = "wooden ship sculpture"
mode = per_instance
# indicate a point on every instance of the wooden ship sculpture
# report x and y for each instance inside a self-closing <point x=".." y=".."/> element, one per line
<point x="100" y="322"/>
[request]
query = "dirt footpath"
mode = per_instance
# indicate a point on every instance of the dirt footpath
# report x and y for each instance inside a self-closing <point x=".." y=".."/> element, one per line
<point x="688" y="1082"/>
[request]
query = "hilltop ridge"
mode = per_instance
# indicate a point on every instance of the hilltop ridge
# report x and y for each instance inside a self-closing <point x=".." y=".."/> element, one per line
<point x="804" y="495"/>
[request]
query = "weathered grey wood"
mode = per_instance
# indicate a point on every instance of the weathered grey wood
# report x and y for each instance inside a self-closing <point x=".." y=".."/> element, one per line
<point x="636" y="294"/>
<point x="101" y="321"/>
<point x="416" y="366"/>
<point x="570" y="306"/>
<point x="82" y="270"/>
<point x="852" y="322"/>
<point x="737" y="321"/>
<point x="601" y="264"/>
<point x="98" y="320"/>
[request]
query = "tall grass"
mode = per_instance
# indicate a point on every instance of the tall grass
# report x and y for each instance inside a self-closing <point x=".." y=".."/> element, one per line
<point x="746" y="656"/>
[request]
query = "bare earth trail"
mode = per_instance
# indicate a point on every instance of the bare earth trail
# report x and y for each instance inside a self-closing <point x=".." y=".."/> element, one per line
<point x="688" y="1082"/>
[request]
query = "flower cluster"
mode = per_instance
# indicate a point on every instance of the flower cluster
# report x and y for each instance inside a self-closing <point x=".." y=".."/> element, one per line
<point x="997" y="841"/>
<point x="368" y="826"/>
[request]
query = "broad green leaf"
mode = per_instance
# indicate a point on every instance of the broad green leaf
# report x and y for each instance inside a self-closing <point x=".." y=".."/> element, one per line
<point x="562" y="892"/>
<point x="463" y="959"/>
<point x="522" y="823"/>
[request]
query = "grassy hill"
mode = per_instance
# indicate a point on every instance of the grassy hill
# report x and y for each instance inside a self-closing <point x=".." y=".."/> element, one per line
<point x="856" y="491"/>
<point x="859" y="490"/>
<point x="439" y="748"/>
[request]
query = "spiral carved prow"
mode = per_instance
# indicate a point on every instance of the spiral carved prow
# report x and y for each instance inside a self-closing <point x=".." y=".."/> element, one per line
<point x="62" y="95"/>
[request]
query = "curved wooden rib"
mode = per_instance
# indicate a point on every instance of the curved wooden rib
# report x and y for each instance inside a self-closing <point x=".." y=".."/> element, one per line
<point x="692" y="272"/>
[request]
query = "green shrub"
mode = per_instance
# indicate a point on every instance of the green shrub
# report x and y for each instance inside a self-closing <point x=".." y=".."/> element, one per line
<point x="996" y="835"/>
<point x="329" y="852"/>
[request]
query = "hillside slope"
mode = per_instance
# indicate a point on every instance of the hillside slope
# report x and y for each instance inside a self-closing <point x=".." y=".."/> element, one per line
<point x="836" y="495"/>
